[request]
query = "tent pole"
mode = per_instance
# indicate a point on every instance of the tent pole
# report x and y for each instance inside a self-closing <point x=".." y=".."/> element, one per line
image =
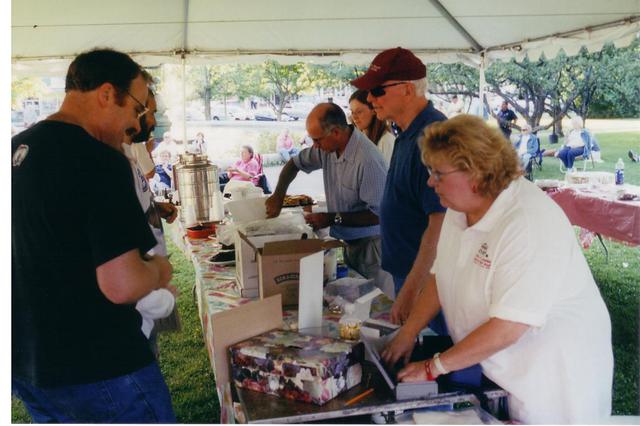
<point x="482" y="87"/>
<point x="184" y="101"/>
<point x="185" y="26"/>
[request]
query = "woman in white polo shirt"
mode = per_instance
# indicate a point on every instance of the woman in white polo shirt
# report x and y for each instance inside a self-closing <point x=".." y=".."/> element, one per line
<point x="514" y="286"/>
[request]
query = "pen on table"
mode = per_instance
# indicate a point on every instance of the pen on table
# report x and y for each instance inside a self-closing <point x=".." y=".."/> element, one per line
<point x="359" y="397"/>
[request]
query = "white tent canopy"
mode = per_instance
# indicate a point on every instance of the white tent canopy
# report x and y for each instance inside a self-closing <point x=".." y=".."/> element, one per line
<point x="47" y="34"/>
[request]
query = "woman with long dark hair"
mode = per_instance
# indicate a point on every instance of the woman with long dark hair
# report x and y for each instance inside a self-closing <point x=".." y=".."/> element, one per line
<point x="364" y="118"/>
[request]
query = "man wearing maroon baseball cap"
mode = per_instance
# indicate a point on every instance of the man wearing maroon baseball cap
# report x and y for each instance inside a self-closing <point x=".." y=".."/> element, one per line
<point x="392" y="64"/>
<point x="411" y="213"/>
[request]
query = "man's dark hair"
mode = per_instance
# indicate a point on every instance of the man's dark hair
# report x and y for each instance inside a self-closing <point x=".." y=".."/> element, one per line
<point x="333" y="117"/>
<point x="91" y="69"/>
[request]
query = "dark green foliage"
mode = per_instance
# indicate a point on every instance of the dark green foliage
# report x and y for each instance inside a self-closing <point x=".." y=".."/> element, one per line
<point x="600" y="84"/>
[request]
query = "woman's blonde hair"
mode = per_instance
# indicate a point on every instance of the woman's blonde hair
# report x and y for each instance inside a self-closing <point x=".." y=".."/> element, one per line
<point x="469" y="144"/>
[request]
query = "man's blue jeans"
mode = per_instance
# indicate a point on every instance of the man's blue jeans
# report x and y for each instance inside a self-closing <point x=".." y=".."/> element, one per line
<point x="438" y="324"/>
<point x="286" y="154"/>
<point x="139" y="397"/>
<point x="568" y="155"/>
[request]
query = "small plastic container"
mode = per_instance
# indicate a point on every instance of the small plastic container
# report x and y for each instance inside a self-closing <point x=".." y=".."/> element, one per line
<point x="330" y="265"/>
<point x="201" y="231"/>
<point x="349" y="324"/>
<point x="620" y="172"/>
<point x="342" y="271"/>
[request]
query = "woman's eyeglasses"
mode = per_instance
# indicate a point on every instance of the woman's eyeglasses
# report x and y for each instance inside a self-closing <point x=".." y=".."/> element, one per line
<point x="438" y="175"/>
<point x="379" y="91"/>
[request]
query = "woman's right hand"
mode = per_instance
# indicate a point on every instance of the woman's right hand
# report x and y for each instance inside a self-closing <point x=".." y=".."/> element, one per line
<point x="402" y="306"/>
<point x="400" y="347"/>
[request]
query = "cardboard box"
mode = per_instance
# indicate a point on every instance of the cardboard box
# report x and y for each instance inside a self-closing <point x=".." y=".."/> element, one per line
<point x="279" y="266"/>
<point x="247" y="256"/>
<point x="231" y="326"/>
<point x="297" y="366"/>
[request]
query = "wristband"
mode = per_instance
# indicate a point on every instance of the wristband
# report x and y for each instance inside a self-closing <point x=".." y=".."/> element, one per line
<point x="438" y="364"/>
<point x="427" y="369"/>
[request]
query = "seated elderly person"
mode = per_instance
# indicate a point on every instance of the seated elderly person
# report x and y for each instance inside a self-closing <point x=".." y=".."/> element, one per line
<point x="579" y="141"/>
<point x="526" y="146"/>
<point x="520" y="302"/>
<point x="246" y="168"/>
<point x="284" y="146"/>
<point x="163" y="177"/>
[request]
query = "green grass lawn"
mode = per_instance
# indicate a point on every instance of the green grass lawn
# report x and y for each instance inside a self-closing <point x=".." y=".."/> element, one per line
<point x="613" y="146"/>
<point x="185" y="365"/>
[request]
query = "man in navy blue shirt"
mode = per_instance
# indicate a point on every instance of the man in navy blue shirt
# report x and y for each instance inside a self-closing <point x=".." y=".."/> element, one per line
<point x="506" y="118"/>
<point x="411" y="214"/>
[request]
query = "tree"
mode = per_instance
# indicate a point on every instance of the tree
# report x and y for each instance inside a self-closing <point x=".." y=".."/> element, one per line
<point x="453" y="79"/>
<point x="335" y="75"/>
<point x="214" y="82"/>
<point x="532" y="88"/>
<point x="618" y="82"/>
<point x="277" y="84"/>
<point x="446" y="80"/>
<point x="23" y="88"/>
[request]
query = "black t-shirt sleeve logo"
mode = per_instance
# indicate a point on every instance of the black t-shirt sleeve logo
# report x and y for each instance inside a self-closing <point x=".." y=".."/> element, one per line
<point x="19" y="155"/>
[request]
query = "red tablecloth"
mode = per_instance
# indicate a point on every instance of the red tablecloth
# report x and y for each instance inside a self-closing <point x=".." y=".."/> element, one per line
<point x="597" y="209"/>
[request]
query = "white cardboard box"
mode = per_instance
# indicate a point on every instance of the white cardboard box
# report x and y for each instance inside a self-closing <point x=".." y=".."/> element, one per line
<point x="247" y="256"/>
<point x="272" y="263"/>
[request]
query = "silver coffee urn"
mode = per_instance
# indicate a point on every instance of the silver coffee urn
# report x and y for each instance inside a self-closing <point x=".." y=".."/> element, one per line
<point x="196" y="180"/>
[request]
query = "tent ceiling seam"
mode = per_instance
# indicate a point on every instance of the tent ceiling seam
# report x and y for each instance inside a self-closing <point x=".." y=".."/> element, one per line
<point x="185" y="28"/>
<point x="518" y="45"/>
<point x="456" y="25"/>
<point x="249" y="21"/>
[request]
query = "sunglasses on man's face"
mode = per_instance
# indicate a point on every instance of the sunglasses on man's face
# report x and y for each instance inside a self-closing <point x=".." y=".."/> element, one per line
<point x="379" y="91"/>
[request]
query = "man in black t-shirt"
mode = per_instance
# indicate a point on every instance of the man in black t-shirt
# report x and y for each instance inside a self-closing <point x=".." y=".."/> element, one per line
<point x="506" y="118"/>
<point x="77" y="236"/>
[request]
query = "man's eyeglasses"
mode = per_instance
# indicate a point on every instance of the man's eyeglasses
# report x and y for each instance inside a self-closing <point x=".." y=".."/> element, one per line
<point x="376" y="92"/>
<point x="438" y="175"/>
<point x="139" y="113"/>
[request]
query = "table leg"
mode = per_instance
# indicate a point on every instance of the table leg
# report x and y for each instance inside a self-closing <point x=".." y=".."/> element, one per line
<point x="604" y="246"/>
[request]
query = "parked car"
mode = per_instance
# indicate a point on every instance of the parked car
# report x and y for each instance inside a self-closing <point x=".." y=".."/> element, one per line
<point x="17" y="122"/>
<point x="192" y="114"/>
<point x="239" y="113"/>
<point x="299" y="110"/>
<point x="265" y="115"/>
<point x="17" y="118"/>
<point x="269" y="115"/>
<point x="218" y="113"/>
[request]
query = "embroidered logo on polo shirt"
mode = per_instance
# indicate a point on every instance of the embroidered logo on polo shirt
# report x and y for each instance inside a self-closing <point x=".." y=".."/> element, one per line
<point x="482" y="257"/>
<point x="19" y="155"/>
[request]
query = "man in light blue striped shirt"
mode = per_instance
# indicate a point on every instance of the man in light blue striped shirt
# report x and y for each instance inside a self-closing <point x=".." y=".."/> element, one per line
<point x="354" y="178"/>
